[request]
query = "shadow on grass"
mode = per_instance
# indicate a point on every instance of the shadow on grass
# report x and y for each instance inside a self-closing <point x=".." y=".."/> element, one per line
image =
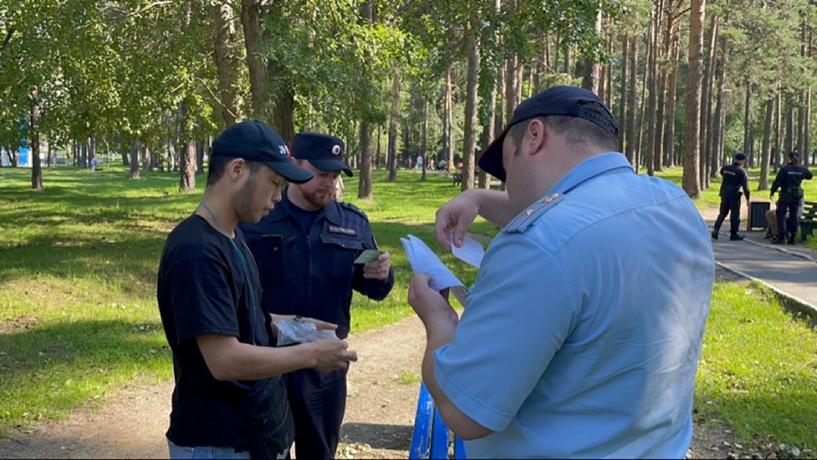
<point x="46" y="369"/>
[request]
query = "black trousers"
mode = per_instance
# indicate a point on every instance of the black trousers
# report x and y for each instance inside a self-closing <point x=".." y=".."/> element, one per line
<point x="318" y="403"/>
<point x="729" y="205"/>
<point x="783" y="226"/>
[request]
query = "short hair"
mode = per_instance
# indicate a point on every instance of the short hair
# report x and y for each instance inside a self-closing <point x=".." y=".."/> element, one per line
<point x="576" y="130"/>
<point x="217" y="164"/>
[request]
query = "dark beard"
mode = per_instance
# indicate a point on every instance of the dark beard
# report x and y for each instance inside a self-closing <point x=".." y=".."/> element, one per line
<point x="319" y="200"/>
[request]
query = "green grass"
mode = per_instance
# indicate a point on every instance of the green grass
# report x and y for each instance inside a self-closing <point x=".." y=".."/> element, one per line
<point x="410" y="378"/>
<point x="78" y="316"/>
<point x="759" y="368"/>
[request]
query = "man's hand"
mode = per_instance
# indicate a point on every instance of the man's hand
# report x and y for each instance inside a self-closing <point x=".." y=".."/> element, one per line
<point x="319" y="325"/>
<point x="427" y="302"/>
<point x="455" y="215"/>
<point x="332" y="354"/>
<point x="378" y="269"/>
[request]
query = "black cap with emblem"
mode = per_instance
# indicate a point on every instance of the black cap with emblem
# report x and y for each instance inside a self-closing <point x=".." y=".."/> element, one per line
<point x="255" y="141"/>
<point x="323" y="151"/>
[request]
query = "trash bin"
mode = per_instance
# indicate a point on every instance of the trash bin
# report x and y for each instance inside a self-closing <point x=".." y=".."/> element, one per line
<point x="757" y="215"/>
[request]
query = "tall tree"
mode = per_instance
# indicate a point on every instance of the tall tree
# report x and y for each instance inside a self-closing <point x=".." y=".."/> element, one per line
<point x="692" y="126"/>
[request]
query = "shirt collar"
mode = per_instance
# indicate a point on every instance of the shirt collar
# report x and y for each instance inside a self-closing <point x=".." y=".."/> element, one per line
<point x="589" y="169"/>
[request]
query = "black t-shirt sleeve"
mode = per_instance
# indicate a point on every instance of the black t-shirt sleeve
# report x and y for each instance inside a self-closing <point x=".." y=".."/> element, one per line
<point x="204" y="303"/>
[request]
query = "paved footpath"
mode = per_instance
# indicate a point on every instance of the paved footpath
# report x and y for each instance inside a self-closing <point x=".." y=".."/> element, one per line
<point x="788" y="269"/>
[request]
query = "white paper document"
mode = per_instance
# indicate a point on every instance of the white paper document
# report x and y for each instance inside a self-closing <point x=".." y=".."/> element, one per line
<point x="471" y="251"/>
<point x="423" y="260"/>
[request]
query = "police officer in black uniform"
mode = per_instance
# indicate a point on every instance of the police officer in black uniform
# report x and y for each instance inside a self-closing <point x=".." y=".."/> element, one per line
<point x="734" y="178"/>
<point x="788" y="182"/>
<point x="305" y="251"/>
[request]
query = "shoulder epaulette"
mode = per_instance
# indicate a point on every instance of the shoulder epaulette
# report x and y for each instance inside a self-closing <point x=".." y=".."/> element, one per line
<point x="353" y="208"/>
<point x="525" y="219"/>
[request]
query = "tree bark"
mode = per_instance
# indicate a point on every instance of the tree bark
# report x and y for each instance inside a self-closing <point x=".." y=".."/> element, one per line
<point x="632" y="108"/>
<point x="706" y="102"/>
<point x="34" y="142"/>
<point x="747" y="122"/>
<point x="716" y="144"/>
<point x="590" y="67"/>
<point x="672" y="96"/>
<point x="227" y="62"/>
<point x="424" y="140"/>
<point x="251" y="11"/>
<point x="767" y="146"/>
<point x="472" y="81"/>
<point x="448" y="138"/>
<point x="692" y="129"/>
<point x="394" y="122"/>
<point x="134" y="160"/>
<point x="622" y="107"/>
<point x="365" y="175"/>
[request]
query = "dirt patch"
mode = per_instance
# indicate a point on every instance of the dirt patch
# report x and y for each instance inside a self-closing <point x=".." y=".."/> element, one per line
<point x="14" y="325"/>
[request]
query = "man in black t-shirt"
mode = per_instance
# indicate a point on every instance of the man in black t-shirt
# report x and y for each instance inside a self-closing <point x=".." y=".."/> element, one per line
<point x="217" y="326"/>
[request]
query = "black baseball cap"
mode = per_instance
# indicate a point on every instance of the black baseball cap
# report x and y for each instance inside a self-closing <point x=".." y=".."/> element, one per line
<point x="557" y="100"/>
<point x="740" y="156"/>
<point x="794" y="154"/>
<point x="255" y="141"/>
<point x="323" y="151"/>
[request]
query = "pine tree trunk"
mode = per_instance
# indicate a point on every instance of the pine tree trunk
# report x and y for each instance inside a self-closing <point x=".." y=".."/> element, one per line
<point x="672" y="97"/>
<point x="767" y="146"/>
<point x="622" y="107"/>
<point x="632" y="108"/>
<point x="472" y="79"/>
<point x="394" y="120"/>
<point x="424" y="140"/>
<point x="747" y="121"/>
<point x="706" y="103"/>
<point x="716" y="144"/>
<point x="365" y="173"/>
<point x="448" y="139"/>
<point x="34" y="143"/>
<point x="692" y="128"/>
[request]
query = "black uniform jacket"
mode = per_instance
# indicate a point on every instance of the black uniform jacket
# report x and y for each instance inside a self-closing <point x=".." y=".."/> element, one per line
<point x="312" y="274"/>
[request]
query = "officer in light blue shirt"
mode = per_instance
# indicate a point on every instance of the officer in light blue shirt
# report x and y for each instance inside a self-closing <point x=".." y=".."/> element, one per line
<point x="583" y="330"/>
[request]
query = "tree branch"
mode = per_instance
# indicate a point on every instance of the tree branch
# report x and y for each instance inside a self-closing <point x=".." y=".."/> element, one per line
<point x="7" y="40"/>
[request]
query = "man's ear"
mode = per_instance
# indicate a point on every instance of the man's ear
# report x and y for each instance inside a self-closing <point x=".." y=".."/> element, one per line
<point x="235" y="168"/>
<point x="537" y="135"/>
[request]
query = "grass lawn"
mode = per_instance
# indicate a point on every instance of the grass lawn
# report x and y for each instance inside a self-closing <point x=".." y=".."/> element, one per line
<point x="78" y="316"/>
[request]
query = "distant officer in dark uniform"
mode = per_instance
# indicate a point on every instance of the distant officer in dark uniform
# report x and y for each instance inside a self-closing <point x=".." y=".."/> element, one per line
<point x="788" y="182"/>
<point x="305" y="251"/>
<point x="734" y="178"/>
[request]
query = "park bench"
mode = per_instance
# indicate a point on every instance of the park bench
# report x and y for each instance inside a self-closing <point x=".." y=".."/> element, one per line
<point x="807" y="220"/>
<point x="431" y="437"/>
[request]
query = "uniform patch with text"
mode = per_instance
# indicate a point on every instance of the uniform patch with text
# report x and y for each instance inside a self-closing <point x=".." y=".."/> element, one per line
<point x="342" y="230"/>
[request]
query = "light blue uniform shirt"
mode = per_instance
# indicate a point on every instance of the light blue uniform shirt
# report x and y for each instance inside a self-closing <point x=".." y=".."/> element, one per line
<point x="584" y="327"/>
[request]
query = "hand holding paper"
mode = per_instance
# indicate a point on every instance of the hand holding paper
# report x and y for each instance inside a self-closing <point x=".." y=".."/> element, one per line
<point x="471" y="251"/>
